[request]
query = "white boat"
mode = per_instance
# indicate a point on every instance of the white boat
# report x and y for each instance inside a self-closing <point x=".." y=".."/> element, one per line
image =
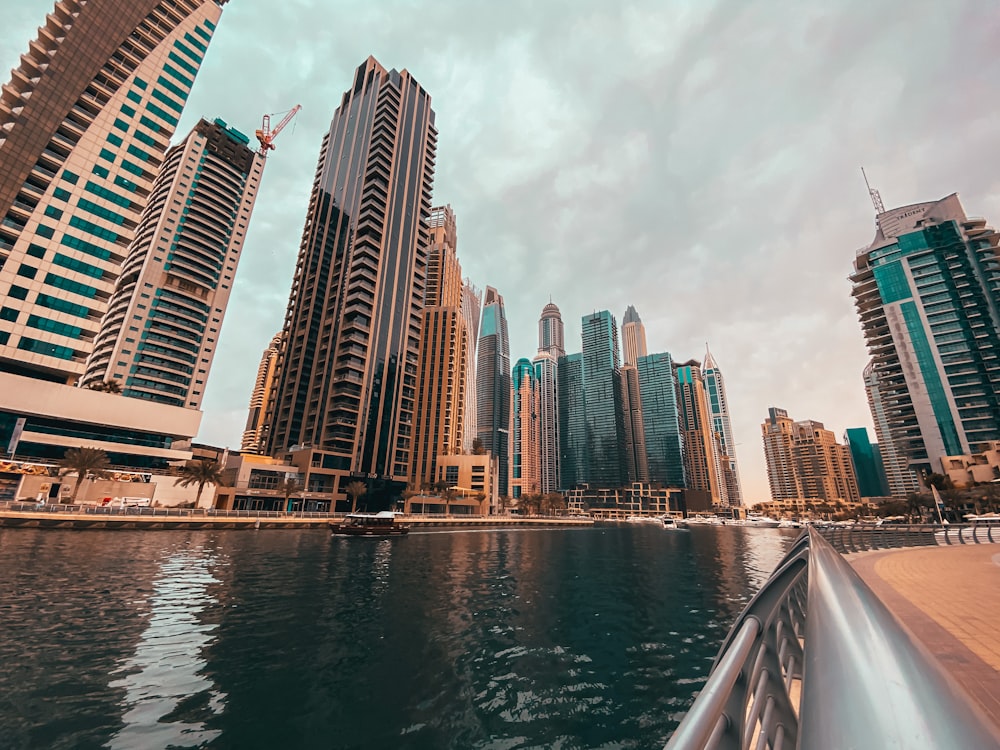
<point x="761" y="522"/>
<point x="787" y="523"/>
<point x="642" y="519"/>
<point x="705" y="521"/>
<point x="672" y="524"/>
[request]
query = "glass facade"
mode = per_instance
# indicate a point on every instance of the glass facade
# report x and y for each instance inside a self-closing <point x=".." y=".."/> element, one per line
<point x="663" y="439"/>
<point x="572" y="422"/>
<point x="603" y="401"/>
<point x="493" y="386"/>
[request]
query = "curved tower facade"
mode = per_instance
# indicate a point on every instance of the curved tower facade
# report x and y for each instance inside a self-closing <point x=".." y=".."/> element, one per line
<point x="471" y="301"/>
<point x="551" y="347"/>
<point x="493" y="386"/>
<point x="550" y="331"/>
<point x="718" y="406"/>
<point x="175" y="283"/>
<point x="84" y="125"/>
<point x="254" y="436"/>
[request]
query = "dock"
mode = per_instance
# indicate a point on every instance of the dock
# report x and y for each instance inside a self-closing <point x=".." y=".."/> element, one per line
<point x="949" y="600"/>
<point x="33" y="516"/>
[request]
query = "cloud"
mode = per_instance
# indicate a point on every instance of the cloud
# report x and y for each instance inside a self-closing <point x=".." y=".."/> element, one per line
<point x="697" y="160"/>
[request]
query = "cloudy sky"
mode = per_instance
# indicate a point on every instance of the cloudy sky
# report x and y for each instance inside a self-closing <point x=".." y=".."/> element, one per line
<point x="698" y="160"/>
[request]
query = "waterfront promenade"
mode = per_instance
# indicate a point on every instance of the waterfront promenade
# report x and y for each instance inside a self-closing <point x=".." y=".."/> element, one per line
<point x="949" y="599"/>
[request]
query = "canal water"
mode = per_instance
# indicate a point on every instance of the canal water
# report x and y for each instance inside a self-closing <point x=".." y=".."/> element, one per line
<point x="547" y="638"/>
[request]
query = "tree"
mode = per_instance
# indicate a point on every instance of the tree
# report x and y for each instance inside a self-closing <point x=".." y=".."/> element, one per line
<point x="355" y="490"/>
<point x="287" y="488"/>
<point x="477" y="447"/>
<point x="86" y="463"/>
<point x="201" y="471"/>
<point x="449" y="496"/>
<point x="108" y="386"/>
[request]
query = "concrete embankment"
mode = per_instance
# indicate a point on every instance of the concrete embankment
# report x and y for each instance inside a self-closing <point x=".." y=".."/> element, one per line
<point x="165" y="519"/>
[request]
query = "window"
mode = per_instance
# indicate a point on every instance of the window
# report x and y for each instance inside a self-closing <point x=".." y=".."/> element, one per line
<point x="107" y="155"/>
<point x="36" y="251"/>
<point x="127" y="110"/>
<point x="9" y="313"/>
<point x="70" y="177"/>
<point x="18" y="292"/>
<point x="135" y="96"/>
<point x="116" y="140"/>
<point x="100" y="171"/>
<point x="45" y="231"/>
<point x="121" y="124"/>
<point x="61" y="194"/>
<point x="55" y="213"/>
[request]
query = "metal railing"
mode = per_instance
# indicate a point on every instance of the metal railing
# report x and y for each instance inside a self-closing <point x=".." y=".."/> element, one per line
<point x="116" y="510"/>
<point x="864" y="537"/>
<point x="817" y="661"/>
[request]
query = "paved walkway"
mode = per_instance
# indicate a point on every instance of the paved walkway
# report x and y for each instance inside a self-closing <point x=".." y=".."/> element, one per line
<point x="949" y="599"/>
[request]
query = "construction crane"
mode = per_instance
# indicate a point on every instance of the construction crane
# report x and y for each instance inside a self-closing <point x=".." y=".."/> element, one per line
<point x="266" y="136"/>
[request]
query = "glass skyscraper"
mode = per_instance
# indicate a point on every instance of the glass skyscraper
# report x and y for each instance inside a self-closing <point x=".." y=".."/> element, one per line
<point x="572" y="422"/>
<point x="345" y="398"/>
<point x="84" y="125"/>
<point x="493" y="386"/>
<point x="603" y="401"/>
<point x="718" y="405"/>
<point x="664" y="443"/>
<point x="927" y="291"/>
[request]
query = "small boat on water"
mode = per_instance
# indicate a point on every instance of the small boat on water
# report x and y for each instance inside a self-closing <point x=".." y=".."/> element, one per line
<point x="383" y="523"/>
<point x="671" y="524"/>
<point x="642" y="519"/>
<point x="761" y="522"/>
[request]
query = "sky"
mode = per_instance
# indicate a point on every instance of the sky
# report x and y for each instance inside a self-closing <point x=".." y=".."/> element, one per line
<point x="698" y="160"/>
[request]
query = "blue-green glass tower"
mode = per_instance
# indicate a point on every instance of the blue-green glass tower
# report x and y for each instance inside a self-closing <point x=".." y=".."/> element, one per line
<point x="664" y="442"/>
<point x="867" y="464"/>
<point x="572" y="422"/>
<point x="604" y="418"/>
<point x="927" y="291"/>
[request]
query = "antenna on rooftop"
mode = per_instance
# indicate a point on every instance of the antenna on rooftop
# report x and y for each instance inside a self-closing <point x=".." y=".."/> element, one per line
<point x="873" y="194"/>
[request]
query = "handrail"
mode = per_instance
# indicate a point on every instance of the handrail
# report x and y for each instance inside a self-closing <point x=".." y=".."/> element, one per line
<point x="816" y="660"/>
<point x="864" y="537"/>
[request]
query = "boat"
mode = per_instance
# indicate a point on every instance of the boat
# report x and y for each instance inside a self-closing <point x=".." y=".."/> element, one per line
<point x="383" y="523"/>
<point x="670" y="523"/>
<point x="642" y="519"/>
<point x="761" y="522"/>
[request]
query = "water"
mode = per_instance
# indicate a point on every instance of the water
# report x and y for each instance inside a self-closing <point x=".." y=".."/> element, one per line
<point x="572" y="638"/>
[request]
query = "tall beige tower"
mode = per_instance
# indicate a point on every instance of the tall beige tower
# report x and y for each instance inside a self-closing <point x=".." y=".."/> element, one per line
<point x="254" y="436"/>
<point x="525" y="465"/>
<point x="160" y="333"/>
<point x="633" y="337"/>
<point x="444" y="353"/>
<point x="702" y="467"/>
<point x="804" y="460"/>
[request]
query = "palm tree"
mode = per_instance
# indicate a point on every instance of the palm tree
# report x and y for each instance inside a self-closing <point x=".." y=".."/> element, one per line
<point x="108" y="386"/>
<point x="355" y="490"/>
<point x="449" y="496"/>
<point x="200" y="472"/>
<point x="86" y="463"/>
<point x="287" y="488"/>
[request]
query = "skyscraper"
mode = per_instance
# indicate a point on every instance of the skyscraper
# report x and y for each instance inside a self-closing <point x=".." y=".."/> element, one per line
<point x="550" y="331"/>
<point x="161" y="330"/>
<point x="718" y="406"/>
<point x="493" y="386"/>
<point x="663" y="439"/>
<point x="551" y="347"/>
<point x="804" y="460"/>
<point x="84" y="124"/>
<point x="633" y="336"/>
<point x="471" y="300"/>
<point x="633" y="347"/>
<point x="254" y="435"/>
<point x="702" y="468"/>
<point x="525" y="472"/>
<point x="602" y="387"/>
<point x="902" y="480"/>
<point x="345" y="397"/>
<point x="867" y="464"/>
<point x="572" y="422"/>
<point x="444" y="353"/>
<point x="927" y="291"/>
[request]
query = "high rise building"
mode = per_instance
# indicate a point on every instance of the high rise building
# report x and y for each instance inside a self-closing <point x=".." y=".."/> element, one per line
<point x="493" y="386"/>
<point x="633" y="337"/>
<point x="572" y="422"/>
<point x="84" y="125"/>
<point x="927" y="291"/>
<point x="634" y="435"/>
<point x="550" y="331"/>
<point x="702" y="468"/>
<point x="663" y="439"/>
<point x="255" y="436"/>
<point x="471" y="300"/>
<point x="804" y="460"/>
<point x="551" y="347"/>
<point x="160" y="333"/>
<point x="525" y="474"/>
<point x="718" y="406"/>
<point x="867" y="463"/>
<point x="444" y="354"/>
<point x="602" y="387"/>
<point x="901" y="479"/>
<point x="345" y="398"/>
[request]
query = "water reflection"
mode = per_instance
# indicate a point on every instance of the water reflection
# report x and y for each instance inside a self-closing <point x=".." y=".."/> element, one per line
<point x="167" y="697"/>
